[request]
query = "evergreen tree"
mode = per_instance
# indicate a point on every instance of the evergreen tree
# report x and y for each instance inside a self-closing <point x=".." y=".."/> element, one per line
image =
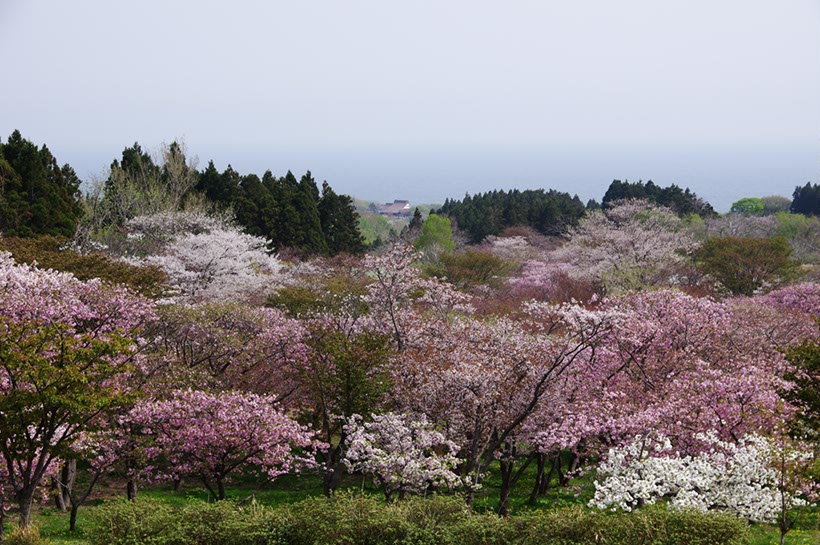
<point x="806" y="200"/>
<point x="37" y="196"/>
<point x="682" y="202"/>
<point x="339" y="222"/>
<point x="550" y="212"/>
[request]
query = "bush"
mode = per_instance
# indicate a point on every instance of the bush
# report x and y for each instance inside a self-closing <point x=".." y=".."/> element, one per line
<point x="24" y="536"/>
<point x="356" y="519"/>
<point x="346" y="518"/>
<point x="139" y="522"/>
<point x="652" y="526"/>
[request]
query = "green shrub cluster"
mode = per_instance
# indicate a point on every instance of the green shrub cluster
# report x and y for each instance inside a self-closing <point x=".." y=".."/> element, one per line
<point x="29" y="535"/>
<point x="362" y="520"/>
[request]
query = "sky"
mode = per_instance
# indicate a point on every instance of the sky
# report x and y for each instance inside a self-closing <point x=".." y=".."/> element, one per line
<point x="424" y="100"/>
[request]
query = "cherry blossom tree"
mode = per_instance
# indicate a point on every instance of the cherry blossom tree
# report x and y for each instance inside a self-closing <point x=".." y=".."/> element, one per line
<point x="403" y="453"/>
<point x="629" y="246"/>
<point x="404" y="301"/>
<point x="69" y="353"/>
<point x="483" y="379"/>
<point x="228" y="345"/>
<point x="206" y="258"/>
<point x="212" y="437"/>
<point x="684" y="365"/>
<point x="757" y="478"/>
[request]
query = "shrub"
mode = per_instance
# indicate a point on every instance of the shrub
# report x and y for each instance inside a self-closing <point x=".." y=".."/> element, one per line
<point x="29" y="535"/>
<point x="652" y="526"/>
<point x="139" y="522"/>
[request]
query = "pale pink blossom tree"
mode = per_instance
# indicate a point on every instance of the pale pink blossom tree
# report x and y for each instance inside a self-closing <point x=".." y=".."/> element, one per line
<point x="405" y="454"/>
<point x="206" y="258"/>
<point x="632" y="245"/>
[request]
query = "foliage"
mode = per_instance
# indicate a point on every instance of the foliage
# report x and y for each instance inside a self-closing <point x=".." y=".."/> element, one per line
<point x="650" y="527"/>
<point x="806" y="393"/>
<point x="549" y="212"/>
<point x="774" y="204"/>
<point x="436" y="235"/>
<point x="137" y="185"/>
<point x="50" y="252"/>
<point x="744" y="265"/>
<point x="803" y="234"/>
<point x="24" y="535"/>
<point x="472" y="268"/>
<point x="356" y="519"/>
<point x="290" y="213"/>
<point x="748" y="206"/>
<point x="806" y="200"/>
<point x="404" y="454"/>
<point x="682" y="202"/>
<point x="37" y="196"/>
<point x="340" y="222"/>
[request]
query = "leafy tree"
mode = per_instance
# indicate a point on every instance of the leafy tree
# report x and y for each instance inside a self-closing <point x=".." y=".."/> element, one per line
<point x="806" y="394"/>
<point x="744" y="265"/>
<point x="749" y="206"/>
<point x="472" y="268"/>
<point x="37" y="196"/>
<point x="549" y="212"/>
<point x="436" y="235"/>
<point x="137" y="186"/>
<point x="68" y="355"/>
<point x="774" y="204"/>
<point x="345" y="373"/>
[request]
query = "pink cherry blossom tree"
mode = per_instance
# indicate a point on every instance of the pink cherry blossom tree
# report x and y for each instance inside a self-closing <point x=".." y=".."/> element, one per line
<point x="213" y="436"/>
<point x="69" y="353"/>
<point x="484" y="379"/>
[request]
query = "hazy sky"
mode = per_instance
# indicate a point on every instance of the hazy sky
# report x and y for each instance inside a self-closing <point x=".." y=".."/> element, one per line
<point x="429" y="99"/>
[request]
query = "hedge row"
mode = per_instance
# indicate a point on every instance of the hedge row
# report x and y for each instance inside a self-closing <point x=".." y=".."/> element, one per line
<point x="362" y="520"/>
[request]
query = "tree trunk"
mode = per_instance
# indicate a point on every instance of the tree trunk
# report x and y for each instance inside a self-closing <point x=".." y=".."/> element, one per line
<point x="506" y="486"/>
<point x="68" y="477"/>
<point x="57" y="489"/>
<point x="220" y="488"/>
<point x="72" y="521"/>
<point x="573" y="465"/>
<point x="178" y="484"/>
<point x="131" y="489"/>
<point x="541" y="464"/>
<point x="334" y="469"/>
<point x="24" y="501"/>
